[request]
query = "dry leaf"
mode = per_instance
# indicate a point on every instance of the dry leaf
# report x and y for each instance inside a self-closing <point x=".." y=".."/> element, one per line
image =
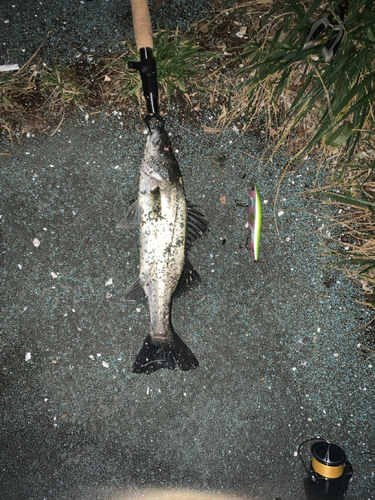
<point x="223" y="200"/>
<point x="203" y="28"/>
<point x="211" y="130"/>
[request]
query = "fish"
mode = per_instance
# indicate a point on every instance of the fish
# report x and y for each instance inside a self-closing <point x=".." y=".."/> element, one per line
<point x="169" y="224"/>
<point x="254" y="221"/>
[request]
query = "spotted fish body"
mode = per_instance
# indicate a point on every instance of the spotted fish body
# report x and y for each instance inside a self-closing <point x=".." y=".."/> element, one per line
<point x="168" y="226"/>
<point x="254" y="222"/>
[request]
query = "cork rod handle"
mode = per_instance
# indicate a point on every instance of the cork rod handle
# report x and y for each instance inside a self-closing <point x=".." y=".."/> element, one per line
<point x="142" y="24"/>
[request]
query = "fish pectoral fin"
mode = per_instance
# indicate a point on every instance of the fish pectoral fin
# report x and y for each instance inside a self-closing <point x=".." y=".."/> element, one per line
<point x="197" y="225"/>
<point x="133" y="217"/>
<point x="136" y="293"/>
<point x="189" y="279"/>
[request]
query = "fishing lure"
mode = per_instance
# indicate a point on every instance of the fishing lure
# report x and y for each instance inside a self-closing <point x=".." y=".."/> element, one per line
<point x="254" y="221"/>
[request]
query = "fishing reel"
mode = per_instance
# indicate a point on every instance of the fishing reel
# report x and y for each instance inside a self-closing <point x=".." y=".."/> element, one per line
<point x="329" y="473"/>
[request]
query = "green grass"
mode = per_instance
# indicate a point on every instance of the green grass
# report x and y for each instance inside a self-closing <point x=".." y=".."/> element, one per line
<point x="179" y="61"/>
<point x="61" y="85"/>
<point x="289" y="85"/>
<point x="357" y="182"/>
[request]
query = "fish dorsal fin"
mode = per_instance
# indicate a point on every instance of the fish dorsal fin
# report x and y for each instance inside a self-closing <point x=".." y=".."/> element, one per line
<point x="189" y="278"/>
<point x="136" y="293"/>
<point x="197" y="225"/>
<point x="132" y="218"/>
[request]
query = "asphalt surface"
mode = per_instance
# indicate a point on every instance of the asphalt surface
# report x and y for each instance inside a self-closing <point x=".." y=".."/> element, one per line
<point x="100" y="25"/>
<point x="277" y="341"/>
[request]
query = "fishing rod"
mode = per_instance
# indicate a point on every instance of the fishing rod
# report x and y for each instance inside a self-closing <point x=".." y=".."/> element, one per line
<point x="147" y="65"/>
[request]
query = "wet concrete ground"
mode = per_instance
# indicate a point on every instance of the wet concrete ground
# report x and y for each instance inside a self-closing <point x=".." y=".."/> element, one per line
<point x="99" y="25"/>
<point x="276" y="341"/>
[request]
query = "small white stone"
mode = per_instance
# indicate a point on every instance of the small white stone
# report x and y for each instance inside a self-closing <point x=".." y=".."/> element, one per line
<point x="280" y="213"/>
<point x="19" y="265"/>
<point x="54" y="276"/>
<point x="36" y="242"/>
<point x="109" y="282"/>
<point x="336" y="355"/>
<point x="28" y="356"/>
<point x="106" y="365"/>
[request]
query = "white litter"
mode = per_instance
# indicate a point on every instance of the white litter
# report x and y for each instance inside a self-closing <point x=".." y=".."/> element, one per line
<point x="109" y="282"/>
<point x="106" y="365"/>
<point x="19" y="265"/>
<point x="28" y="356"/>
<point x="280" y="213"/>
<point x="9" y="67"/>
<point x="54" y="276"/>
<point x="36" y="242"/>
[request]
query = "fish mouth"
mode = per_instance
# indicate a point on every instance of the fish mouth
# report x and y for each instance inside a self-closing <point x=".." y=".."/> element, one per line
<point x="155" y="136"/>
<point x="159" y="140"/>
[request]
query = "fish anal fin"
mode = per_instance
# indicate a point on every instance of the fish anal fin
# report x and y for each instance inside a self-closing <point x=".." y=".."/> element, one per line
<point x="189" y="279"/>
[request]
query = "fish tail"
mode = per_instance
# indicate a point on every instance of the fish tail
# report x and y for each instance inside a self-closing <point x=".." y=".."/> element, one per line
<point x="154" y="356"/>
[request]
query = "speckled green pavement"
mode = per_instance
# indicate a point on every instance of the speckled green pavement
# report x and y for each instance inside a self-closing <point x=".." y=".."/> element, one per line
<point x="277" y="341"/>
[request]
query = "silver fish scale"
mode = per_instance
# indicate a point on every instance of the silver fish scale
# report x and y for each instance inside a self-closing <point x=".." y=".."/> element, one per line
<point x="162" y="255"/>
